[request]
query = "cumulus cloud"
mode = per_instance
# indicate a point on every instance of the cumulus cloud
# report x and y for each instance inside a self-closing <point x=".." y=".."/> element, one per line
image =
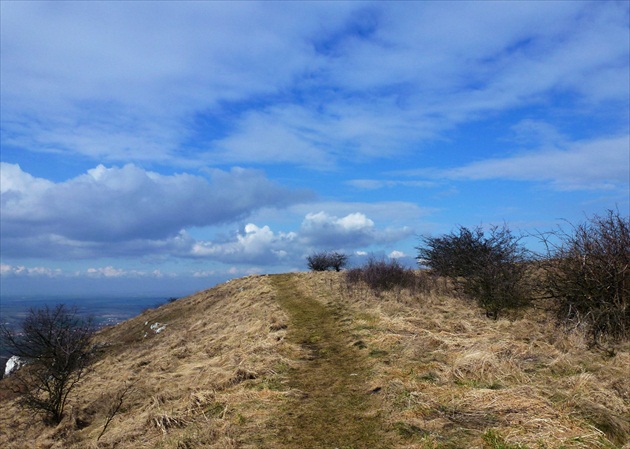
<point x="398" y="212"/>
<point x="106" y="272"/>
<point x="22" y="271"/>
<point x="254" y="245"/>
<point x="130" y="212"/>
<point x="261" y="245"/>
<point x="351" y="231"/>
<point x="396" y="254"/>
<point x="111" y="272"/>
<point x="140" y="211"/>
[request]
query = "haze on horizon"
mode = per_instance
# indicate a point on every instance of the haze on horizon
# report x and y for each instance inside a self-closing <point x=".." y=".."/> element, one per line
<point x="168" y="146"/>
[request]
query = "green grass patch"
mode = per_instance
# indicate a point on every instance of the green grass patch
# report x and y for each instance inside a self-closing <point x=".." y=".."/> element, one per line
<point x="494" y="440"/>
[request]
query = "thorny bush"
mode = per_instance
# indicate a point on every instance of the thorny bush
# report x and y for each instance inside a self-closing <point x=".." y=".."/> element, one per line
<point x="488" y="268"/>
<point x="587" y="271"/>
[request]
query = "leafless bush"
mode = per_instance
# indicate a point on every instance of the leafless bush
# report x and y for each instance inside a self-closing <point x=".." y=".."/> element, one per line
<point x="382" y="275"/>
<point x="324" y="261"/>
<point x="56" y="345"/>
<point x="587" y="270"/>
<point x="114" y="406"/>
<point x="489" y="268"/>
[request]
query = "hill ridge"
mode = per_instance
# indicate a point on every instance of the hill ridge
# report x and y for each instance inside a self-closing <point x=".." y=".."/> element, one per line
<point x="236" y="366"/>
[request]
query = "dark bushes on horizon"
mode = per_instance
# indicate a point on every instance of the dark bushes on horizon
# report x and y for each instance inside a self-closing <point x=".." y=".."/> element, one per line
<point x="383" y="275"/>
<point x="325" y="260"/>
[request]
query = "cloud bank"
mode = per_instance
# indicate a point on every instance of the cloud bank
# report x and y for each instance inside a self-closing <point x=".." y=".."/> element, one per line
<point x="128" y="211"/>
<point x="126" y="205"/>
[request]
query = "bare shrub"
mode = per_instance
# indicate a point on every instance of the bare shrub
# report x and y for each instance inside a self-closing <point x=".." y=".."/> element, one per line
<point x="587" y="270"/>
<point x="324" y="261"/>
<point x="56" y="345"/>
<point x="114" y="406"/>
<point x="382" y="275"/>
<point x="489" y="268"/>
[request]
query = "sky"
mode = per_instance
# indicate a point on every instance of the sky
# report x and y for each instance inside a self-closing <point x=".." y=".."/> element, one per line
<point x="163" y="147"/>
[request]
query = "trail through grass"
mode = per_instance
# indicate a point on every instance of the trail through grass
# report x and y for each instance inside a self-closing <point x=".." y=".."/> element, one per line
<point x="334" y="406"/>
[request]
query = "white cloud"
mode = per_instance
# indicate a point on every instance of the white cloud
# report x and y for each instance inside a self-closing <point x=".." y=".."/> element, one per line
<point x="108" y="272"/>
<point x="21" y="270"/>
<point x="338" y="81"/>
<point x="322" y="230"/>
<point x="204" y="273"/>
<point x="283" y="135"/>
<point x="129" y="212"/>
<point x="373" y="184"/>
<point x="261" y="245"/>
<point x="126" y="205"/>
<point x="125" y="96"/>
<point x="396" y="254"/>
<point x="391" y="213"/>
<point x="112" y="272"/>
<point x="597" y="164"/>
<point x="254" y="245"/>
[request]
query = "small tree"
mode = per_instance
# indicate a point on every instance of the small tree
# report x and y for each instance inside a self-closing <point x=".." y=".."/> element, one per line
<point x="489" y="268"/>
<point x="338" y="261"/>
<point x="56" y="346"/>
<point x="324" y="261"/>
<point x="587" y="271"/>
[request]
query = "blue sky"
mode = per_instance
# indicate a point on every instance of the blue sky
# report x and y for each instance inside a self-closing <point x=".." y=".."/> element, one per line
<point x="167" y="146"/>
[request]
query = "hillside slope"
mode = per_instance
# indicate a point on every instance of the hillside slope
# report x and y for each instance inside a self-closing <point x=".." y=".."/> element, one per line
<point x="305" y="361"/>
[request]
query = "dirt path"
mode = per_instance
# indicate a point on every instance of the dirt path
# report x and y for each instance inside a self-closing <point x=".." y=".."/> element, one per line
<point x="335" y="407"/>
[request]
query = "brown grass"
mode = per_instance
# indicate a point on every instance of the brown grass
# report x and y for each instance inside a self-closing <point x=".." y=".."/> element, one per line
<point x="302" y="360"/>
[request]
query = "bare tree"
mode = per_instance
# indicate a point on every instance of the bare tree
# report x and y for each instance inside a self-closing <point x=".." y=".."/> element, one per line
<point x="324" y="261"/>
<point x="55" y="343"/>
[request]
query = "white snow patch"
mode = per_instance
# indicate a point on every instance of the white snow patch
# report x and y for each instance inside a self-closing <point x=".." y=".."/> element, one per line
<point x="13" y="364"/>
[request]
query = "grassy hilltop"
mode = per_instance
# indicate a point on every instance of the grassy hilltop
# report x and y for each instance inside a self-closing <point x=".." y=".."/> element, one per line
<point x="304" y="360"/>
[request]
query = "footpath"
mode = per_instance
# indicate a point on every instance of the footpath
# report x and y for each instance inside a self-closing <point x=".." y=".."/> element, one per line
<point x="334" y="407"/>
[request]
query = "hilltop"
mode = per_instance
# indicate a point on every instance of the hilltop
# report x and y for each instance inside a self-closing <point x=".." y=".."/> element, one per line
<point x="304" y="360"/>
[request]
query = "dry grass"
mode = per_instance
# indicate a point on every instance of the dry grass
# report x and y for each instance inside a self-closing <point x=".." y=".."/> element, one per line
<point x="457" y="375"/>
<point x="230" y="368"/>
<point x="192" y="383"/>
